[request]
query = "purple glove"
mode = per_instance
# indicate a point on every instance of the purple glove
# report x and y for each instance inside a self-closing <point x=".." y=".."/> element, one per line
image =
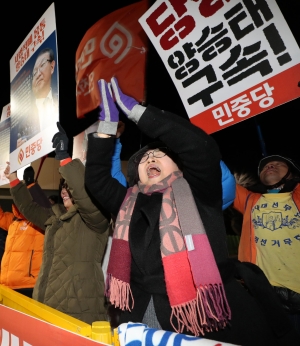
<point x="109" y="114"/>
<point x="126" y="103"/>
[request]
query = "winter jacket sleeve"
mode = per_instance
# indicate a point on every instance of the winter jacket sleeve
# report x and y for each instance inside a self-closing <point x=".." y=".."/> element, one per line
<point x="6" y="219"/>
<point x="31" y="210"/>
<point x="107" y="191"/>
<point x="73" y="173"/>
<point x="228" y="186"/>
<point x="116" y="168"/>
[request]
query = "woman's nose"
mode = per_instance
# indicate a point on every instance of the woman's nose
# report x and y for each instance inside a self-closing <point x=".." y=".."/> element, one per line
<point x="152" y="158"/>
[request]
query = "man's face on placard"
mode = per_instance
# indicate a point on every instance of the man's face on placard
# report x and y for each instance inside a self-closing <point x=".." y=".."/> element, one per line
<point x="41" y="75"/>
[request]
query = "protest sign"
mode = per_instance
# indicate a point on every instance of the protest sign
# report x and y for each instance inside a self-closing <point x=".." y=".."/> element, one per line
<point x="34" y="93"/>
<point x="229" y="60"/>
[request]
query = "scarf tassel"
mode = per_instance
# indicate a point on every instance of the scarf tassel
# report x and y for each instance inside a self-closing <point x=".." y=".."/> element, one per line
<point x="209" y="311"/>
<point x="119" y="293"/>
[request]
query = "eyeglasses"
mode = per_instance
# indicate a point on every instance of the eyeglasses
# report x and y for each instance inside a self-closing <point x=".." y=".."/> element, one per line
<point x="158" y="152"/>
<point x="41" y="67"/>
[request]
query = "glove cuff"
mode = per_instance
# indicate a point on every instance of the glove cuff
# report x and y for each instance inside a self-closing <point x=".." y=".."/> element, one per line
<point x="108" y="127"/>
<point x="62" y="155"/>
<point x="136" y="112"/>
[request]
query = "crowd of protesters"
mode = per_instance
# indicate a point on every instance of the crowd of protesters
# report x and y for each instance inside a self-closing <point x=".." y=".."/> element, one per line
<point x="167" y="262"/>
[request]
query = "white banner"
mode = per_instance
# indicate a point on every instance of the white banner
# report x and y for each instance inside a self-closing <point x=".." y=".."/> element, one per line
<point x="228" y="59"/>
<point x="34" y="93"/>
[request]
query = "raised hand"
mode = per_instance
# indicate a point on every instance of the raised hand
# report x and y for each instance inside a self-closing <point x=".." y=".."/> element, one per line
<point x="60" y="143"/>
<point x="9" y="175"/>
<point x="109" y="114"/>
<point x="126" y="103"/>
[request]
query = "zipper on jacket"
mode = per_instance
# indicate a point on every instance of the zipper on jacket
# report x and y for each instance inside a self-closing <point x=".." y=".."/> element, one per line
<point x="30" y="263"/>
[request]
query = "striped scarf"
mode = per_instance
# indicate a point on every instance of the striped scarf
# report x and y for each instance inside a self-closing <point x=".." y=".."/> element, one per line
<point x="193" y="282"/>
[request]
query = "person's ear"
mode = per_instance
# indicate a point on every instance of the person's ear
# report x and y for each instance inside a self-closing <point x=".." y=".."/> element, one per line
<point x="52" y="64"/>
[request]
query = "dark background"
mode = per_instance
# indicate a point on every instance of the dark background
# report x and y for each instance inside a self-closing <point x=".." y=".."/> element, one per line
<point x="239" y="144"/>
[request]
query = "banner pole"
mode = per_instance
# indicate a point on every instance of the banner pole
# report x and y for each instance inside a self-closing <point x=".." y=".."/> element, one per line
<point x="261" y="139"/>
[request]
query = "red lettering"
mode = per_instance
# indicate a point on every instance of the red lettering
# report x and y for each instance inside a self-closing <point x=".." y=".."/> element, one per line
<point x="207" y="9"/>
<point x="185" y="26"/>
<point x="168" y="40"/>
<point x="179" y="6"/>
<point x="156" y="28"/>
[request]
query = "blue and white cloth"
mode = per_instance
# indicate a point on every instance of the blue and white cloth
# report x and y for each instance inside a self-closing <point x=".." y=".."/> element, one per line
<point x="138" y="334"/>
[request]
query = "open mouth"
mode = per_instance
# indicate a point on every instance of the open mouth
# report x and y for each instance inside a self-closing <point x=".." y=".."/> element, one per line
<point x="153" y="171"/>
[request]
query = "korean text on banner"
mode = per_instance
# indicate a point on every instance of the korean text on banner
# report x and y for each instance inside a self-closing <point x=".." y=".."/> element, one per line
<point x="229" y="60"/>
<point x="34" y="93"/>
<point x="114" y="46"/>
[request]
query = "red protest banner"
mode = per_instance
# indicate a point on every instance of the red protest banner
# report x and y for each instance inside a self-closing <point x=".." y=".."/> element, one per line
<point x="17" y="328"/>
<point x="114" y="46"/>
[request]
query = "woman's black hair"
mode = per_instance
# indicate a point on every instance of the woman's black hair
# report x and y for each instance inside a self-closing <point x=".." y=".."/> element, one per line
<point x="133" y="163"/>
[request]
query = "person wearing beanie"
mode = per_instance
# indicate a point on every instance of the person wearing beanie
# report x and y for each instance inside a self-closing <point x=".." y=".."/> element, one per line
<point x="270" y="235"/>
<point x="169" y="266"/>
<point x="24" y="243"/>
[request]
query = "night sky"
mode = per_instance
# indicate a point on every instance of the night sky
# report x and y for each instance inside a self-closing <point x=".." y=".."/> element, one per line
<point x="239" y="144"/>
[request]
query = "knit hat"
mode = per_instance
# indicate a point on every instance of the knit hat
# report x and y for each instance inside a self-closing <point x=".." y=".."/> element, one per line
<point x="133" y="162"/>
<point x="294" y="168"/>
<point x="39" y="196"/>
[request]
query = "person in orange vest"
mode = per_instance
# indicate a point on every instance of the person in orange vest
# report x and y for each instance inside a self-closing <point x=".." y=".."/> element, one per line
<point x="23" y="250"/>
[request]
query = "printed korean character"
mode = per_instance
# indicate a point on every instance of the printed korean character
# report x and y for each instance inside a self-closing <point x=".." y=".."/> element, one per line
<point x="297" y="237"/>
<point x="26" y="54"/>
<point x="18" y="65"/>
<point x="212" y="42"/>
<point x="264" y="97"/>
<point x="40" y="37"/>
<point x="276" y="242"/>
<point x="36" y="32"/>
<point x="240" y="104"/>
<point x="205" y="94"/>
<point x="29" y="41"/>
<point x="85" y="85"/>
<point x="39" y="144"/>
<point x="42" y="24"/>
<point x="277" y="44"/>
<point x="287" y="241"/>
<point x="237" y="14"/>
<point x="86" y="57"/>
<point x="219" y="113"/>
<point x="180" y="61"/>
<point x="263" y="242"/>
<point x="27" y="151"/>
<point x="184" y="69"/>
<point x="254" y="63"/>
<point x="32" y="148"/>
<point x="178" y="28"/>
